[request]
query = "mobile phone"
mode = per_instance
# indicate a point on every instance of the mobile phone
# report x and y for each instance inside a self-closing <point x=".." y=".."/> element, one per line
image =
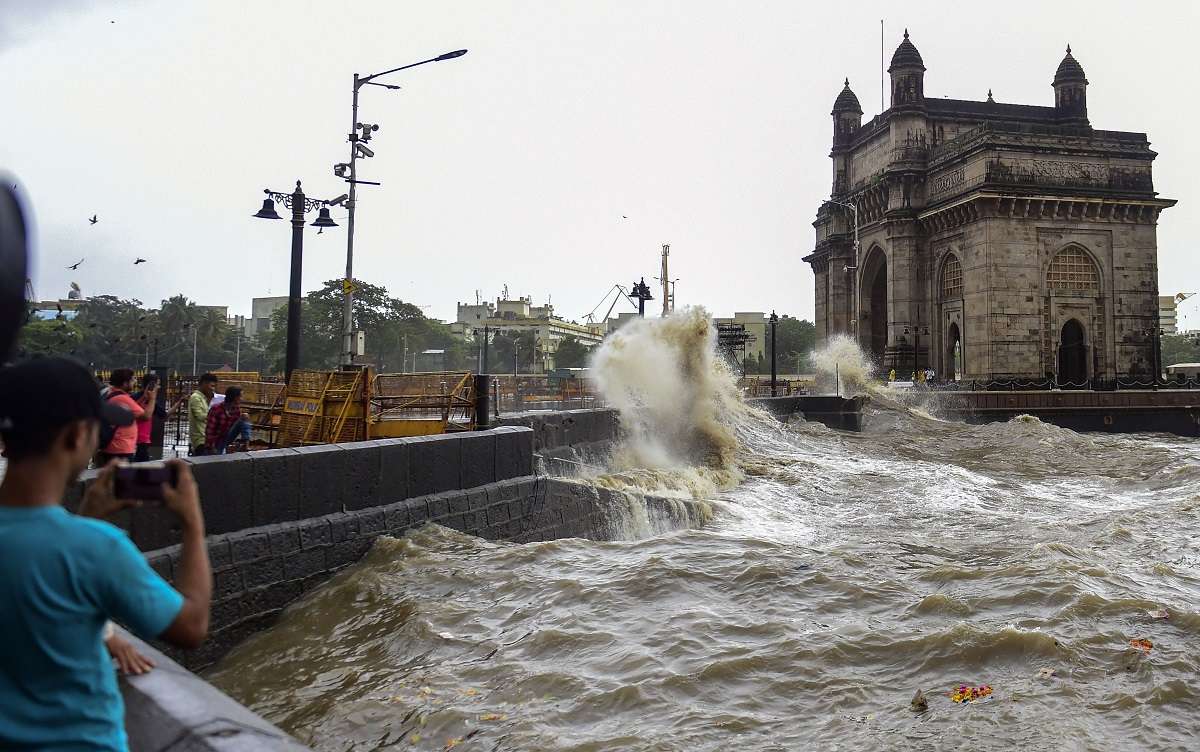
<point x="143" y="481"/>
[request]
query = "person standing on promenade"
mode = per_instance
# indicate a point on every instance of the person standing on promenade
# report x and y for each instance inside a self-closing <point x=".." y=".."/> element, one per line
<point x="198" y="412"/>
<point x="63" y="576"/>
<point x="147" y="399"/>
<point x="123" y="442"/>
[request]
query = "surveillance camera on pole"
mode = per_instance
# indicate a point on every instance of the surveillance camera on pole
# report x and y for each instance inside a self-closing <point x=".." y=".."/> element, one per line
<point x="350" y="174"/>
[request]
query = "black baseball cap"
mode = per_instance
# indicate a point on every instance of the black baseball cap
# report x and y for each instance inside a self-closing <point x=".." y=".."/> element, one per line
<point x="53" y="392"/>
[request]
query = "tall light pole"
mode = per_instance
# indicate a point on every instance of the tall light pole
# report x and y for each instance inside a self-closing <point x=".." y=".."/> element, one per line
<point x="854" y="278"/>
<point x="774" y="323"/>
<point x="349" y="172"/>
<point x="300" y="205"/>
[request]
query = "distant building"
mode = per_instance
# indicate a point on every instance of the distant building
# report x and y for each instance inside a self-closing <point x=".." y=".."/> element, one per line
<point x="261" y="311"/>
<point x="49" y="310"/>
<point x="519" y="316"/>
<point x="1168" y="314"/>
<point x="429" y="361"/>
<point x="620" y="320"/>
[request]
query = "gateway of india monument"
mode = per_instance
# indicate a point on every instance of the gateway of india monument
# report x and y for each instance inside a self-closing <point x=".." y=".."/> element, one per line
<point x="989" y="241"/>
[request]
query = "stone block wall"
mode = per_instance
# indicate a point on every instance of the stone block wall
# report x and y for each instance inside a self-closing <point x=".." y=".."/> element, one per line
<point x="259" y="570"/>
<point x="570" y="434"/>
<point x="255" y="489"/>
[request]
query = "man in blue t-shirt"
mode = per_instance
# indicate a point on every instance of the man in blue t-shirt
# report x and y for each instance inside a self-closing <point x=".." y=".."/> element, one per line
<point x="63" y="576"/>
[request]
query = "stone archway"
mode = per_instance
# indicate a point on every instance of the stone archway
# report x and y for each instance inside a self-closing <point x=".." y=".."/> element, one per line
<point x="873" y="337"/>
<point x="1072" y="354"/>
<point x="953" y="367"/>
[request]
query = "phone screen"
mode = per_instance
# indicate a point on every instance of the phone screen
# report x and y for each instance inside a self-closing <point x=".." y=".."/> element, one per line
<point x="143" y="481"/>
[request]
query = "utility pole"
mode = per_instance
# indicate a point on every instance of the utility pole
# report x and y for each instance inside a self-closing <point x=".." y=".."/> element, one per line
<point x="404" y="359"/>
<point x="774" y="323"/>
<point x="237" y="358"/>
<point x="516" y="349"/>
<point x="349" y="172"/>
<point x="195" y="331"/>
<point x="666" y="281"/>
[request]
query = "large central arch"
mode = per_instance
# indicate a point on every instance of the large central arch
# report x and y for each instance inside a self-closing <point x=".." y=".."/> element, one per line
<point x="873" y="293"/>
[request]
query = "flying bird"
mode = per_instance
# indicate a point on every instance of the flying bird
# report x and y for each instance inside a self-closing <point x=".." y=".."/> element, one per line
<point x="624" y="217"/>
<point x="76" y="264"/>
<point x="139" y="261"/>
<point x="94" y="219"/>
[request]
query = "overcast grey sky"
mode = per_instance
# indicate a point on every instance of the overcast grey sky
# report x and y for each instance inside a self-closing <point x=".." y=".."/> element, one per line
<point x="706" y="123"/>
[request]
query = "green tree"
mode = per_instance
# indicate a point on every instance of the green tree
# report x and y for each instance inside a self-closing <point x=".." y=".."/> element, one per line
<point x="1179" y="349"/>
<point x="393" y="329"/>
<point x="796" y="339"/>
<point x="571" y="353"/>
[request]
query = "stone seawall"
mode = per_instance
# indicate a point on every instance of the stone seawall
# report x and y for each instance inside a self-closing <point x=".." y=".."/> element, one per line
<point x="570" y="434"/>
<point x="282" y="521"/>
<point x="842" y="413"/>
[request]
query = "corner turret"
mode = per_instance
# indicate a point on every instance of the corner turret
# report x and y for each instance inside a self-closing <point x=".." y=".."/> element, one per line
<point x="847" y="116"/>
<point x="908" y="76"/>
<point x="1070" y="91"/>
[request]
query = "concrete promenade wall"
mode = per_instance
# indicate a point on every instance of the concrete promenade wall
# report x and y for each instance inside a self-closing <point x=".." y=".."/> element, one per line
<point x="570" y="434"/>
<point x="282" y="521"/>
<point x="171" y="709"/>
<point x="842" y="413"/>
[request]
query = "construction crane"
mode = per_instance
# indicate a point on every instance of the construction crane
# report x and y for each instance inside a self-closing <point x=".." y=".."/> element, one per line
<point x="621" y="293"/>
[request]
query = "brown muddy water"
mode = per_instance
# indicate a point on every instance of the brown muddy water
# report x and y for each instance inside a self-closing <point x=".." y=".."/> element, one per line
<point x="840" y="574"/>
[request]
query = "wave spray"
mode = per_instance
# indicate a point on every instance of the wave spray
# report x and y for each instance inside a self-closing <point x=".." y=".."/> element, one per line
<point x="678" y="404"/>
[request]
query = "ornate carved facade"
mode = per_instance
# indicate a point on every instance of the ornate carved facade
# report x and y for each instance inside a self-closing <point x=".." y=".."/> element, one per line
<point x="995" y="241"/>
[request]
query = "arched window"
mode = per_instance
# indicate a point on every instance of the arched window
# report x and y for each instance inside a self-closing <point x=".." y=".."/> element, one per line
<point x="952" y="279"/>
<point x="1073" y="271"/>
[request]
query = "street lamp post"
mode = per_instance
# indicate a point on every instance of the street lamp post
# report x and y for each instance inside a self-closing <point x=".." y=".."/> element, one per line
<point x="300" y="205"/>
<point x="349" y="172"/>
<point x="774" y="322"/>
<point x="854" y="280"/>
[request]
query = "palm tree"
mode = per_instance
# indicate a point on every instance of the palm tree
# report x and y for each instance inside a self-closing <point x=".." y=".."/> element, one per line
<point x="177" y="317"/>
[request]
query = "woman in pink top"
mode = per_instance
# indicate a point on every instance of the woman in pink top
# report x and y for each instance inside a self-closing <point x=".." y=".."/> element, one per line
<point x="147" y="399"/>
<point x="124" y="440"/>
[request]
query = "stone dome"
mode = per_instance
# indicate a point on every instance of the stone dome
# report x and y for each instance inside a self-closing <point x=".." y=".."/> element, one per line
<point x="906" y="56"/>
<point x="1069" y="69"/>
<point x="846" y="101"/>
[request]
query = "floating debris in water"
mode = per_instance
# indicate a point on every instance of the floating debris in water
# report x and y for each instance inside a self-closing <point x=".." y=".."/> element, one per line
<point x="1141" y="644"/>
<point x="1158" y="613"/>
<point x="1047" y="673"/>
<point x="918" y="702"/>
<point x="965" y="693"/>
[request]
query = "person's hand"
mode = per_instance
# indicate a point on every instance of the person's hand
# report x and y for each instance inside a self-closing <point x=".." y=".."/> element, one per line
<point x="129" y="660"/>
<point x="99" y="501"/>
<point x="184" y="497"/>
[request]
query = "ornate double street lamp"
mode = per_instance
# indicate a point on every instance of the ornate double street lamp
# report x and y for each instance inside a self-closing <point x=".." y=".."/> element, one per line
<point x="360" y="134"/>
<point x="642" y="293"/>
<point x="300" y="205"/>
